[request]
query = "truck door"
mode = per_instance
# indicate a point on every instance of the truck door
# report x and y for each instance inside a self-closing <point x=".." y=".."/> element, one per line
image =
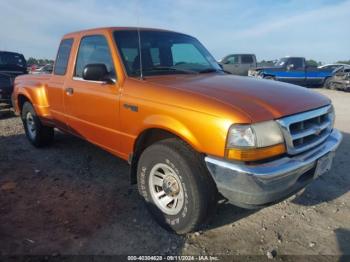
<point x="92" y="107"/>
<point x="295" y="73"/>
<point x="316" y="76"/>
<point x="55" y="90"/>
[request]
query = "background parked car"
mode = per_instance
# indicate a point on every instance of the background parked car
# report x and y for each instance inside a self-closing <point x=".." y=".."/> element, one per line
<point x="238" y="64"/>
<point x="332" y="66"/>
<point x="11" y="65"/>
<point x="341" y="79"/>
<point x="46" y="69"/>
<point x="294" y="70"/>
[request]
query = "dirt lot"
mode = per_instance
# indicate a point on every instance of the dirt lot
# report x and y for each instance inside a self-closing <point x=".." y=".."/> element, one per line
<point x="74" y="198"/>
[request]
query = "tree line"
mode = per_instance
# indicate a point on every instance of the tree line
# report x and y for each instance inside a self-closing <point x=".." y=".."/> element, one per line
<point x="42" y="62"/>
<point x="344" y="62"/>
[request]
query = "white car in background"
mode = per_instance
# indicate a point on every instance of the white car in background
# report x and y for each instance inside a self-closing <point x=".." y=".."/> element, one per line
<point x="46" y="69"/>
<point x="333" y="66"/>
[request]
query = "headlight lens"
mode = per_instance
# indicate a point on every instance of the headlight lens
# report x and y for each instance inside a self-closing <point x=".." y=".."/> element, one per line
<point x="241" y="136"/>
<point x="254" y="142"/>
<point x="267" y="133"/>
<point x="256" y="135"/>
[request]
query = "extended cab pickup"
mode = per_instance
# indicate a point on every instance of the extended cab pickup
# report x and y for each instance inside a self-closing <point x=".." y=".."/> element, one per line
<point x="294" y="70"/>
<point x="190" y="132"/>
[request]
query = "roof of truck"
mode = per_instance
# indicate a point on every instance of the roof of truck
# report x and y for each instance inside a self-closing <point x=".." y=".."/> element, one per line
<point x="116" y="28"/>
<point x="10" y="52"/>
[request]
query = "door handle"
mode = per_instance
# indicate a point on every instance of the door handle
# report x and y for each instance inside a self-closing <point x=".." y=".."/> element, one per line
<point x="69" y="91"/>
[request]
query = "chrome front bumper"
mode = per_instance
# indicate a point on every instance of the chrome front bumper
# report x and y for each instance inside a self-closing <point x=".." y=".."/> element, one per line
<point x="252" y="186"/>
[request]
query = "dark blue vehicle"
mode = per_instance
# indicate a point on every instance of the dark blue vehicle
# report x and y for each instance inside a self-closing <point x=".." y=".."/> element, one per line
<point x="294" y="70"/>
<point x="11" y="65"/>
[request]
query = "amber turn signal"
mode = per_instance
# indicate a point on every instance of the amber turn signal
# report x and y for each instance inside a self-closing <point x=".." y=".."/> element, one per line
<point x="254" y="154"/>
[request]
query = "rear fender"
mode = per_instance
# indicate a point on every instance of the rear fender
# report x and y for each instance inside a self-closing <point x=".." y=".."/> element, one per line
<point x="36" y="96"/>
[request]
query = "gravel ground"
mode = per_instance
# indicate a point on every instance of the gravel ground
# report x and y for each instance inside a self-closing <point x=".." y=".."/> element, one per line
<point x="74" y="198"/>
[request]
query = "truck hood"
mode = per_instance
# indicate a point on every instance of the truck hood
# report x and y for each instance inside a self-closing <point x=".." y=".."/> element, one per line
<point x="259" y="99"/>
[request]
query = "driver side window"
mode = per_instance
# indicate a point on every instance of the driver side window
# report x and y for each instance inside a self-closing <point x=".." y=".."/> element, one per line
<point x="93" y="50"/>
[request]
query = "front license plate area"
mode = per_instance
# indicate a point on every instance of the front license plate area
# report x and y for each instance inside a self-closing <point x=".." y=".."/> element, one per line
<point x="324" y="164"/>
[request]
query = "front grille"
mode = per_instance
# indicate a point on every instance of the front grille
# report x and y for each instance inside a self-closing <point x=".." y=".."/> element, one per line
<point x="306" y="130"/>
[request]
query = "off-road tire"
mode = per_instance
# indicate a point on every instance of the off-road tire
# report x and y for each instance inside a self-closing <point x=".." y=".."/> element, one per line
<point x="44" y="135"/>
<point x="199" y="188"/>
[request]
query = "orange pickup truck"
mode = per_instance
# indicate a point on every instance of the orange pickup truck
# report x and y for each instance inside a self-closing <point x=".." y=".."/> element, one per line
<point x="191" y="133"/>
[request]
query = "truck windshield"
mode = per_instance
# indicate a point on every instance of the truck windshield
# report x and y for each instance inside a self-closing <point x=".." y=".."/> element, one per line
<point x="10" y="60"/>
<point x="162" y="53"/>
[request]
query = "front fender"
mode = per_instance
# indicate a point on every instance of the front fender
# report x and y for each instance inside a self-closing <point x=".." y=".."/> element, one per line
<point x="173" y="126"/>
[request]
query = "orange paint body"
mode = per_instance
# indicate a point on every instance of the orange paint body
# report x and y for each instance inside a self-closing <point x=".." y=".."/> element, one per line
<point x="197" y="108"/>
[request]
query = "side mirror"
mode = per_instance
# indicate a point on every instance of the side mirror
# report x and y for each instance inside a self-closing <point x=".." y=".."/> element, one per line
<point x="97" y="72"/>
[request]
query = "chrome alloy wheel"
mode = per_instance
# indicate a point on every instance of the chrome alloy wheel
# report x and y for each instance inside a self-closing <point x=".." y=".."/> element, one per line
<point x="166" y="189"/>
<point x="31" y="125"/>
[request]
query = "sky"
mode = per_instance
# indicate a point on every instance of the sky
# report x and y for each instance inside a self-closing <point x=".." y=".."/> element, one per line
<point x="316" y="29"/>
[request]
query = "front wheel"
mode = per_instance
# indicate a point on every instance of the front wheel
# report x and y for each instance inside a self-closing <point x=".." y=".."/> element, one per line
<point x="38" y="134"/>
<point x="178" y="190"/>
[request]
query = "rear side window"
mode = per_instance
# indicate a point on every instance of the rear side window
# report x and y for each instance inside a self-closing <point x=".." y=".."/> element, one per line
<point x="247" y="59"/>
<point x="93" y="50"/>
<point x="63" y="57"/>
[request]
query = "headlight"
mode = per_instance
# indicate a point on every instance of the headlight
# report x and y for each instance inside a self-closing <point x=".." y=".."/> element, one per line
<point x="241" y="136"/>
<point x="254" y="142"/>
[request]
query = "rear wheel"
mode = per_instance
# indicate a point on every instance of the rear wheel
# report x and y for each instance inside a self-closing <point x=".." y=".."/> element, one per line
<point x="38" y="134"/>
<point x="178" y="190"/>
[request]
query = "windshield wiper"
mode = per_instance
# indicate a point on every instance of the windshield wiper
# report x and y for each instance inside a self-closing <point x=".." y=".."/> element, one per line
<point x="210" y="70"/>
<point x="167" y="68"/>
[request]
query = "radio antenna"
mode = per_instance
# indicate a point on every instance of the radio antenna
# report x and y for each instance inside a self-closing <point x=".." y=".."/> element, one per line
<point x="139" y="40"/>
<point x="140" y="52"/>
